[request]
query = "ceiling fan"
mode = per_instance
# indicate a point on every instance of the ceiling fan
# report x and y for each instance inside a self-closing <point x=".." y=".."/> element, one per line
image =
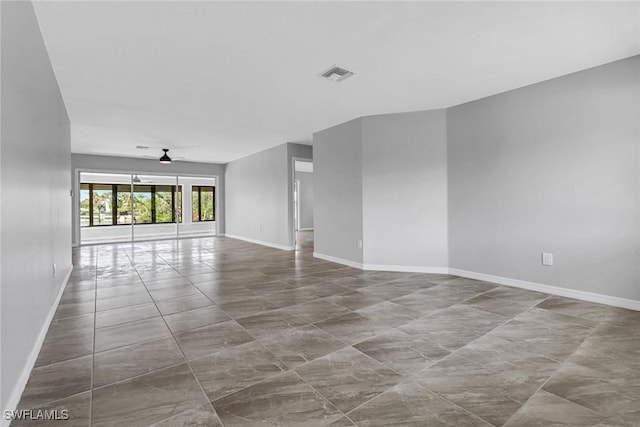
<point x="165" y="156"/>
<point x="136" y="179"/>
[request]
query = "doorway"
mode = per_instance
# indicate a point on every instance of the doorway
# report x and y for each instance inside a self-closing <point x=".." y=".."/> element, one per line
<point x="303" y="203"/>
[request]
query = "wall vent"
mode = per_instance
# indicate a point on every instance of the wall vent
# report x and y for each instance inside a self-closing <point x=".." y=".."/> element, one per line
<point x="337" y="74"/>
<point x="142" y="147"/>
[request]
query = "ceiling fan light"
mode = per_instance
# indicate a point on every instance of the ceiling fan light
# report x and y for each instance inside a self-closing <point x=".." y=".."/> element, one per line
<point x="165" y="159"/>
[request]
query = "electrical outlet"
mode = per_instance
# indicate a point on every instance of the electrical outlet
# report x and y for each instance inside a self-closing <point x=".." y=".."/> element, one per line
<point x="547" y="258"/>
<point x="260" y="227"/>
<point x="55" y="269"/>
<point x="359" y="244"/>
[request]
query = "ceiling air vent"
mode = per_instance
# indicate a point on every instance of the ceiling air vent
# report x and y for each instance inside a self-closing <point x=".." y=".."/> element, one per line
<point x="142" y="147"/>
<point x="337" y="74"/>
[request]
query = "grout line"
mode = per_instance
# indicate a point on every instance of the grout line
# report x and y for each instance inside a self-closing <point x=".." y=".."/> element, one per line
<point x="93" y="349"/>
<point x="561" y="364"/>
<point x="139" y="375"/>
<point x="186" y="360"/>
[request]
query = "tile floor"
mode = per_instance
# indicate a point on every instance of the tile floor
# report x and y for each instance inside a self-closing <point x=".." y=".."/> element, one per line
<point x="215" y="331"/>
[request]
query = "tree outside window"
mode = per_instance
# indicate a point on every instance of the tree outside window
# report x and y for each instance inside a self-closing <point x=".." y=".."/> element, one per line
<point x="203" y="203"/>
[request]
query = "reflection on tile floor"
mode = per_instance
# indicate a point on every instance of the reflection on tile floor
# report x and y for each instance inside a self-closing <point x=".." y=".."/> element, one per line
<point x="219" y="332"/>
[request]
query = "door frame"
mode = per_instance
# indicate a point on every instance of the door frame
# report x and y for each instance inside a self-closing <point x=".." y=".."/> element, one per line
<point x="292" y="183"/>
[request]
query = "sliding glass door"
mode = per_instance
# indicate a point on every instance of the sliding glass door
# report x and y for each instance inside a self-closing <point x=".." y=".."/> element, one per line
<point x="136" y="207"/>
<point x="105" y="208"/>
<point x="199" y="206"/>
<point x="157" y="202"/>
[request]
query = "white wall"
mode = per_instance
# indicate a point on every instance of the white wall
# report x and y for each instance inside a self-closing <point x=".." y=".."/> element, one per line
<point x="36" y="204"/>
<point x="383" y="179"/>
<point x="85" y="162"/>
<point x="404" y="182"/>
<point x="551" y="167"/>
<point x="259" y="188"/>
<point x="305" y="195"/>
<point x="257" y="200"/>
<point x="337" y="169"/>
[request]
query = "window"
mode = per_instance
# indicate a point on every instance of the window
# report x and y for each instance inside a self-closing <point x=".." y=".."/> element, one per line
<point x="111" y="204"/>
<point x="102" y="204"/>
<point x="202" y="203"/>
<point x="85" y="201"/>
<point x="142" y="206"/>
<point x="123" y="204"/>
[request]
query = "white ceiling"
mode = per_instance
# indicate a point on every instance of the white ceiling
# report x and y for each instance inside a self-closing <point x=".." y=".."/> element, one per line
<point x="215" y="81"/>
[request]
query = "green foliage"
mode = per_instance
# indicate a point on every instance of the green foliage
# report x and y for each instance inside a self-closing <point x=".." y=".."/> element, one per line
<point x="142" y="208"/>
<point x="207" y="206"/>
<point x="163" y="207"/>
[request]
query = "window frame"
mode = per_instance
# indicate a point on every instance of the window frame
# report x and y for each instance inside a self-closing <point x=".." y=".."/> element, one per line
<point x="175" y="219"/>
<point x="213" y="201"/>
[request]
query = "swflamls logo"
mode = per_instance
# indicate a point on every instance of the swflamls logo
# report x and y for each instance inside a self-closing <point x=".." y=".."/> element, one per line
<point x="37" y="414"/>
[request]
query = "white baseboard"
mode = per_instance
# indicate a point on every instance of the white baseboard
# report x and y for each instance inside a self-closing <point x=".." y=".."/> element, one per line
<point x="377" y="267"/>
<point x="261" y="242"/>
<point x="549" y="289"/>
<point x="406" y="268"/>
<point x="337" y="260"/>
<point x="532" y="286"/>
<point x="16" y="394"/>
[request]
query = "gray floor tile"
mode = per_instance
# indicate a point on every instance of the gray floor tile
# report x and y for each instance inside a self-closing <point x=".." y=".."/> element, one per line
<point x="455" y="326"/>
<point x="72" y="309"/>
<point x="145" y="400"/>
<point x="270" y="322"/>
<point x="110" y="303"/>
<point x="389" y="313"/>
<point x="197" y="318"/>
<point x="348" y="378"/>
<point x="355" y="300"/>
<point x="130" y="333"/>
<point x="57" y="381"/>
<point x="211" y="339"/>
<point x="405" y="354"/>
<point x="67" y="339"/>
<point x="353" y="327"/>
<point x="284" y="400"/>
<point x="173" y="292"/>
<point x="77" y="407"/>
<point x="125" y="315"/>
<point x="137" y="359"/>
<point x="246" y="307"/>
<point x="429" y="349"/>
<point x="493" y="390"/>
<point x="408" y="404"/>
<point x="318" y="310"/>
<point x="176" y="305"/>
<point x="291" y="297"/>
<point x="203" y="416"/>
<point x="301" y="345"/>
<point x="546" y="409"/>
<point x="582" y="309"/>
<point x="236" y="368"/>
